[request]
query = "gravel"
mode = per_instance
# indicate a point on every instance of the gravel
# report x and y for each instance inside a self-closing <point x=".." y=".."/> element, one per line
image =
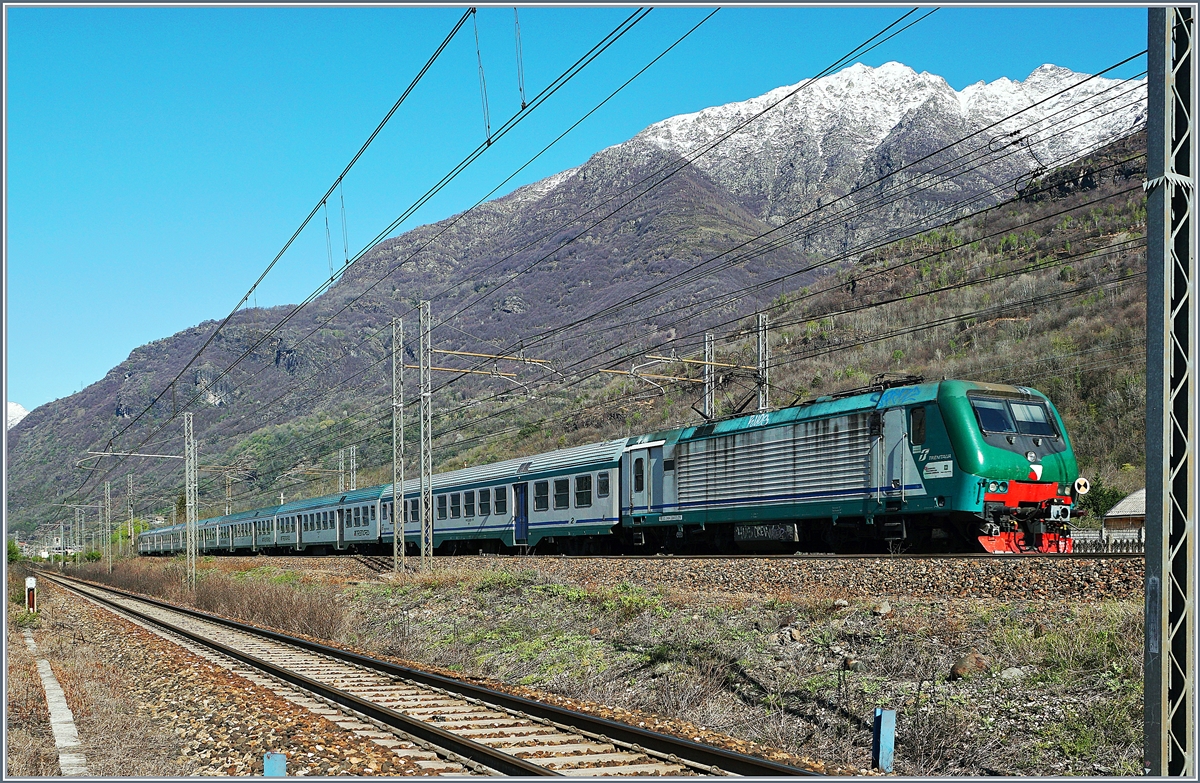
<point x="1081" y="579"/>
<point x="1033" y="578"/>
<point x="200" y="718"/>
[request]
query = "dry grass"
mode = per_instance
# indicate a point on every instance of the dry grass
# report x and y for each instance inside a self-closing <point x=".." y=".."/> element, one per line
<point x="284" y="600"/>
<point x="30" y="743"/>
<point x="116" y="739"/>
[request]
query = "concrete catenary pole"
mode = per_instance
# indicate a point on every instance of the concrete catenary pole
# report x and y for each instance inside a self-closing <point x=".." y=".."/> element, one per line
<point x="399" y="555"/>
<point x="189" y="466"/>
<point x="108" y="524"/>
<point x="426" y="364"/>
<point x="709" y="375"/>
<point x="764" y="364"/>
<point x="129" y="503"/>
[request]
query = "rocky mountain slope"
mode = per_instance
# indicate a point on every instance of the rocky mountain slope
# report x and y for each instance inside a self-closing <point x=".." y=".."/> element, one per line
<point x="801" y="186"/>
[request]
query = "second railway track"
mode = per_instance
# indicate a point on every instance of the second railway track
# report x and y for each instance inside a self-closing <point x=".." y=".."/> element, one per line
<point x="486" y="731"/>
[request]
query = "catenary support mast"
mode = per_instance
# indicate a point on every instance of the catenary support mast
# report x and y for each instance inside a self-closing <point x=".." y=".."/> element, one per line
<point x="399" y="555"/>
<point x="1172" y="388"/>
<point x="426" y="362"/>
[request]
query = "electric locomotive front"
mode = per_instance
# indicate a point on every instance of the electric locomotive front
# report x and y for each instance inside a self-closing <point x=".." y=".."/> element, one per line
<point x="1020" y="476"/>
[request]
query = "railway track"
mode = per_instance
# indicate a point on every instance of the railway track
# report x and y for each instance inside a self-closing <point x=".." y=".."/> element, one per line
<point x="381" y="565"/>
<point x="486" y="731"/>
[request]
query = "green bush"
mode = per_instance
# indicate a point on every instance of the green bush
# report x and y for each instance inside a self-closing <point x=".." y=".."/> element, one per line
<point x="1100" y="499"/>
<point x="14" y="552"/>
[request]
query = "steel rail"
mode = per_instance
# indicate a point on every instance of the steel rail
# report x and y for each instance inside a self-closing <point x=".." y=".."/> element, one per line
<point x="499" y="761"/>
<point x="719" y="759"/>
<point x="818" y="556"/>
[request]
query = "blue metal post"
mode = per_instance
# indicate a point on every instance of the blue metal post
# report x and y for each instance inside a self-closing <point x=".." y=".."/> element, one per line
<point x="274" y="765"/>
<point x="883" y="747"/>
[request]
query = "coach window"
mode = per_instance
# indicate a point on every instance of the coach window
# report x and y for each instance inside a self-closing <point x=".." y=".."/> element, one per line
<point x="562" y="493"/>
<point x="602" y="484"/>
<point x="416" y="510"/>
<point x="372" y="513"/>
<point x="441" y="505"/>
<point x="917" y="426"/>
<point x="639" y="475"/>
<point x="501" y="500"/>
<point x="383" y="511"/>
<point x="469" y="504"/>
<point x="541" y="496"/>
<point x="485" y="502"/>
<point x="583" y="491"/>
<point x="455" y="507"/>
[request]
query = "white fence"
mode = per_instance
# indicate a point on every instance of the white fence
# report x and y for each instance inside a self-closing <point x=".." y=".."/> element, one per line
<point x="1104" y="540"/>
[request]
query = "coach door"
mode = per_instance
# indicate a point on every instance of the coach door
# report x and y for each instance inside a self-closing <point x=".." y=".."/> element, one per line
<point x="643" y="478"/>
<point x="521" y="514"/>
<point x="342" y="518"/>
<point x="896" y="463"/>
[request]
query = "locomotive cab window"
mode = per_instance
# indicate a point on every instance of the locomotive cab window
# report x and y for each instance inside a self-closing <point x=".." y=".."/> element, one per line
<point x="583" y="491"/>
<point x="1032" y="418"/>
<point x="1024" y="417"/>
<point x="639" y="475"/>
<point x="993" y="415"/>
<point x="602" y="485"/>
<point x="541" y="495"/>
<point x="485" y="502"/>
<point x="917" y="426"/>
<point x="562" y="493"/>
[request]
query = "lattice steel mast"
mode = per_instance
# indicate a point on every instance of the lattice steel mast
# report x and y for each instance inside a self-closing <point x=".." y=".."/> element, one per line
<point x="1172" y="389"/>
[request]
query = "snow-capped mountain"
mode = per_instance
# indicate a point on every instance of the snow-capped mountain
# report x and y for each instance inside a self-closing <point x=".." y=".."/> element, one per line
<point x="818" y="139"/>
<point x="15" y="414"/>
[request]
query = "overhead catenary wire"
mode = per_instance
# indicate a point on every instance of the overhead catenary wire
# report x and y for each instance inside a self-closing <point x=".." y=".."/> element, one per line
<point x="520" y="57"/>
<point x="970" y="282"/>
<point x="253" y="288"/>
<point x="912" y="232"/>
<point x="583" y="61"/>
<point x="557" y="84"/>
<point x="487" y="122"/>
<point x="591" y="316"/>
<point x="345" y="229"/>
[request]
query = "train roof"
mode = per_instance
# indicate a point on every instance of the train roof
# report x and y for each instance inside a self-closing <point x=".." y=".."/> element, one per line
<point x="350" y="496"/>
<point x="591" y="455"/>
<point x="835" y="405"/>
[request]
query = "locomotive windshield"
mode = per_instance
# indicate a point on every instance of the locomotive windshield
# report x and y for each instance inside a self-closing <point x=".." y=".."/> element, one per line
<point x="1023" y="417"/>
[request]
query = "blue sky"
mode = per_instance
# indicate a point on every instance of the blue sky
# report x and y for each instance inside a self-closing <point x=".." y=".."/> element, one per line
<point x="158" y="158"/>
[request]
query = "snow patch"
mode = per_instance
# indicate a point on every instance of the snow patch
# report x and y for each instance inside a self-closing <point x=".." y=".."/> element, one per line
<point x="15" y="413"/>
